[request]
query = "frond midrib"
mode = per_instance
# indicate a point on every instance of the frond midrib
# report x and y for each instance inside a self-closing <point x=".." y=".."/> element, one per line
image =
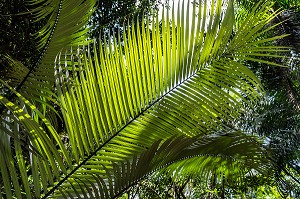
<point x="112" y="137"/>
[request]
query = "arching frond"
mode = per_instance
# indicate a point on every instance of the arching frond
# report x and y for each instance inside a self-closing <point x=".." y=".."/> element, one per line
<point x="44" y="152"/>
<point x="65" y="27"/>
<point x="206" y="155"/>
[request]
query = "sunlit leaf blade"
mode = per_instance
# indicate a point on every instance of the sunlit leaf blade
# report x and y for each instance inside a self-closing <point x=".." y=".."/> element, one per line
<point x="46" y="160"/>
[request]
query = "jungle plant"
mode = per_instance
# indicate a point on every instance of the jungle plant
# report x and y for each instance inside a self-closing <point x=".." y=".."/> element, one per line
<point x="160" y="100"/>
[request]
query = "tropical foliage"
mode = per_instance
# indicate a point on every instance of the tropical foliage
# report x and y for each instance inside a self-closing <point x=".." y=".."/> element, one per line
<point x="277" y="118"/>
<point x="110" y="15"/>
<point x="107" y="115"/>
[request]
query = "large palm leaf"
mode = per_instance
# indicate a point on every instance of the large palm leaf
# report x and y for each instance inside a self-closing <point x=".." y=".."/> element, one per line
<point x="192" y="155"/>
<point x="154" y="87"/>
<point x="117" y="100"/>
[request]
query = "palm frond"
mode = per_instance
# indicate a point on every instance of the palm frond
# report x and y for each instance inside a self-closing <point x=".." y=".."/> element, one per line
<point x="65" y="27"/>
<point x="153" y="87"/>
<point x="34" y="146"/>
<point x="210" y="154"/>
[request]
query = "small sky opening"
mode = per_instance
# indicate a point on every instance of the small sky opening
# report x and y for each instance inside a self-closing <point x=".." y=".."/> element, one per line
<point x="185" y="4"/>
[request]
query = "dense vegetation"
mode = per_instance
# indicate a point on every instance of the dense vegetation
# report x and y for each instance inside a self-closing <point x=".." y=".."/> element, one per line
<point x="202" y="103"/>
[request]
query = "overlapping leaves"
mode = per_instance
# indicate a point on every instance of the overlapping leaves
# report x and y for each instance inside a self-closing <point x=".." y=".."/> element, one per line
<point x="193" y="155"/>
<point x="161" y="82"/>
<point x="65" y="27"/>
<point x="182" y="79"/>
